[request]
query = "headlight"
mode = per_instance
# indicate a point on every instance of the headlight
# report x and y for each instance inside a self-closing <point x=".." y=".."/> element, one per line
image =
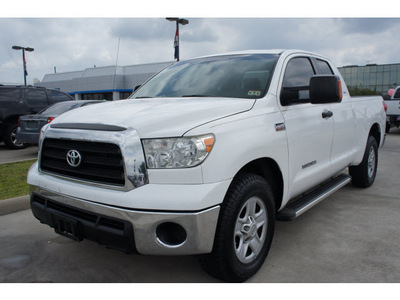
<point x="177" y="152"/>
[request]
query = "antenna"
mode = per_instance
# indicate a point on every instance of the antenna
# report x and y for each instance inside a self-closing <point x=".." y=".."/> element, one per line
<point x="116" y="63"/>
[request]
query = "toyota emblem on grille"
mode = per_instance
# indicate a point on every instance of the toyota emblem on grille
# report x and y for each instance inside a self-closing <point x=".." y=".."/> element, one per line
<point x="74" y="158"/>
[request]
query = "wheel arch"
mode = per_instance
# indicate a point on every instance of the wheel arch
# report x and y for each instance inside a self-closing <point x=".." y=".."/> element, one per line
<point x="375" y="131"/>
<point x="270" y="171"/>
<point x="11" y="119"/>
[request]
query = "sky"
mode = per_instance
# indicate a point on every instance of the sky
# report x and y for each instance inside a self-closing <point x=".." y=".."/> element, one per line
<point x="76" y="40"/>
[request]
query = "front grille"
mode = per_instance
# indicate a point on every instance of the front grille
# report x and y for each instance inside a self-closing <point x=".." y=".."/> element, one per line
<point x="100" y="162"/>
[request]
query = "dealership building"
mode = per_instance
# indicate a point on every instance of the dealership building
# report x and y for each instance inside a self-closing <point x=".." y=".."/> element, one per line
<point x="118" y="82"/>
<point x="98" y="83"/>
<point x="380" y="78"/>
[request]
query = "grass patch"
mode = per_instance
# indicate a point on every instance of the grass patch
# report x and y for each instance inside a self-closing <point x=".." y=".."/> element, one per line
<point x="13" y="179"/>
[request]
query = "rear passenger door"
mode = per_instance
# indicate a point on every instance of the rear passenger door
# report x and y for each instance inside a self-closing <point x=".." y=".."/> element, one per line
<point x="309" y="134"/>
<point x="36" y="100"/>
<point x="345" y="146"/>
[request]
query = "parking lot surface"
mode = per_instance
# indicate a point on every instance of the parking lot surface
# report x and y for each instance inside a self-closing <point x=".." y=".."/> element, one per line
<point x="352" y="236"/>
<point x="8" y="155"/>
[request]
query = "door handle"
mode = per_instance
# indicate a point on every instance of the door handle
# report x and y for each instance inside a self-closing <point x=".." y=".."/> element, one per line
<point x="327" y="114"/>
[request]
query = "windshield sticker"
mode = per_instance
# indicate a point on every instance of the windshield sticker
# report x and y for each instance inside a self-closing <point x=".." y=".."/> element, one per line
<point x="254" y="93"/>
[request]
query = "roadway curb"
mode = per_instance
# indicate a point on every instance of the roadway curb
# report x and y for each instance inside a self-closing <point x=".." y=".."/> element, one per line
<point x="8" y="206"/>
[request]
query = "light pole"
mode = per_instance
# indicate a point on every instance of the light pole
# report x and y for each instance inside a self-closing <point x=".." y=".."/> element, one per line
<point x="23" y="58"/>
<point x="176" y="41"/>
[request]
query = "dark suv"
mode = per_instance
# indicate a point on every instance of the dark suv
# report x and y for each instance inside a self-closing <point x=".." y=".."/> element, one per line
<point x="16" y="101"/>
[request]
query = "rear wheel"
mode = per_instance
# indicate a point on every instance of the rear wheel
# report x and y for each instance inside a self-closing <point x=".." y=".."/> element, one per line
<point x="245" y="230"/>
<point x="10" y="137"/>
<point x="364" y="174"/>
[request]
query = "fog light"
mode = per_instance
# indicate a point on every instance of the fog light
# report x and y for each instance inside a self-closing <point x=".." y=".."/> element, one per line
<point x="171" y="234"/>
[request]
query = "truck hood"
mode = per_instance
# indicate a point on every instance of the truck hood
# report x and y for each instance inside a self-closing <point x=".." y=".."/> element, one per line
<point x="166" y="117"/>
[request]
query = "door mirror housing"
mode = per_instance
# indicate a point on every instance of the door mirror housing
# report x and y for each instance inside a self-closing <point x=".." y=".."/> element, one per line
<point x="325" y="89"/>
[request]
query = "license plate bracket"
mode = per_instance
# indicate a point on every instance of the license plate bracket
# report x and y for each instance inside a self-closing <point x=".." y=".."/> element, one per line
<point x="67" y="227"/>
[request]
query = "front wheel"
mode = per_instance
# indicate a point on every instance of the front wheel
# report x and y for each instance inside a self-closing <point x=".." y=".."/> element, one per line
<point x="364" y="174"/>
<point x="245" y="230"/>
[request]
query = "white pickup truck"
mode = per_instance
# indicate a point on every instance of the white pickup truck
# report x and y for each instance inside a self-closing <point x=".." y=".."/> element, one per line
<point x="393" y="109"/>
<point x="205" y="156"/>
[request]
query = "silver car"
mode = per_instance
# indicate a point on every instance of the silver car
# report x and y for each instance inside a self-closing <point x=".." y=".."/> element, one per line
<point x="29" y="125"/>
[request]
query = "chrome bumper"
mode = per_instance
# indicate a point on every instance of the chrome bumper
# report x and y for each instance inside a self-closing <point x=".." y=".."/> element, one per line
<point x="199" y="226"/>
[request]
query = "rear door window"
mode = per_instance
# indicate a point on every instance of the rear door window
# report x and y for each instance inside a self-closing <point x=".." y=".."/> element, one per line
<point x="324" y="67"/>
<point x="37" y="99"/>
<point x="397" y="94"/>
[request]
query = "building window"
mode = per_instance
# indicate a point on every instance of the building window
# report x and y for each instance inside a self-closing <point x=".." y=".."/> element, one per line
<point x="97" y="96"/>
<point x="124" y="95"/>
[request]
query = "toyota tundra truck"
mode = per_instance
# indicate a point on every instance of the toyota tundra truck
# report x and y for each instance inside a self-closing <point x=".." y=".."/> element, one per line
<point x="205" y="156"/>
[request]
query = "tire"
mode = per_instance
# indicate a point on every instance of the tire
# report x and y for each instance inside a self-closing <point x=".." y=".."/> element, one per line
<point x="387" y="129"/>
<point x="364" y="174"/>
<point x="245" y="230"/>
<point x="10" y="137"/>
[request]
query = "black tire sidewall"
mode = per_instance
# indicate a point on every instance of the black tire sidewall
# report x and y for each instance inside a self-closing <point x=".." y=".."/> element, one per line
<point x="359" y="173"/>
<point x="387" y="129"/>
<point x="258" y="188"/>
<point x="371" y="143"/>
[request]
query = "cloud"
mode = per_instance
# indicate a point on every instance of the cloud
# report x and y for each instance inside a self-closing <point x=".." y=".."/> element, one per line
<point x="140" y="29"/>
<point x="73" y="44"/>
<point x="367" y="26"/>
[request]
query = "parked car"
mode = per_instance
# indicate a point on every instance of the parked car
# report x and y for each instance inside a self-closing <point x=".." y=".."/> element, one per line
<point x="207" y="168"/>
<point x="16" y="101"/>
<point x="29" y="125"/>
<point x="393" y="108"/>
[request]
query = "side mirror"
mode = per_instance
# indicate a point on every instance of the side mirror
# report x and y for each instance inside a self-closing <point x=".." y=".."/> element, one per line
<point x="325" y="89"/>
<point x="136" y="87"/>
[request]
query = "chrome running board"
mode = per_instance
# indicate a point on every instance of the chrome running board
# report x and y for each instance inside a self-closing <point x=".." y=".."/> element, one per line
<point x="300" y="206"/>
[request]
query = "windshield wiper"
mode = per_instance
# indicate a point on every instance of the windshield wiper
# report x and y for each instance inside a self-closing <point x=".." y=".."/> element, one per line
<point x="196" y="96"/>
<point x="187" y="96"/>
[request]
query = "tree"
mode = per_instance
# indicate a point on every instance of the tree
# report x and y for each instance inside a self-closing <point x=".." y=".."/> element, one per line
<point x="359" y="90"/>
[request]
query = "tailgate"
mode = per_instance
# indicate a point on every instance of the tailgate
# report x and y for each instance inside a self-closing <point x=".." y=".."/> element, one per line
<point x="393" y="107"/>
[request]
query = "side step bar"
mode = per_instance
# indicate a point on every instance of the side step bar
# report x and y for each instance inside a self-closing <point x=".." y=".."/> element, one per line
<point x="303" y="204"/>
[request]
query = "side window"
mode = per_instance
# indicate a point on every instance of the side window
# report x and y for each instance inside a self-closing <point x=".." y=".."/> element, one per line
<point x="9" y="94"/>
<point x="37" y="99"/>
<point x="397" y="94"/>
<point x="57" y="96"/>
<point x="296" y="81"/>
<point x="324" y="67"/>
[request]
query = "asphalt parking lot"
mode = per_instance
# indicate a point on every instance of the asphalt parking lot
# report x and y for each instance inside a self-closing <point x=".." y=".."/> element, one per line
<point x="351" y="236"/>
<point x="7" y="155"/>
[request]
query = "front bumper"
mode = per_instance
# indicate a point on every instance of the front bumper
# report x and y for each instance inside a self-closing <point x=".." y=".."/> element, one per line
<point x="125" y="229"/>
<point x="394" y="119"/>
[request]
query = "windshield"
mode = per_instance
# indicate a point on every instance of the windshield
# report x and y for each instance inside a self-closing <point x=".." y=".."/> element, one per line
<point x="238" y="76"/>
